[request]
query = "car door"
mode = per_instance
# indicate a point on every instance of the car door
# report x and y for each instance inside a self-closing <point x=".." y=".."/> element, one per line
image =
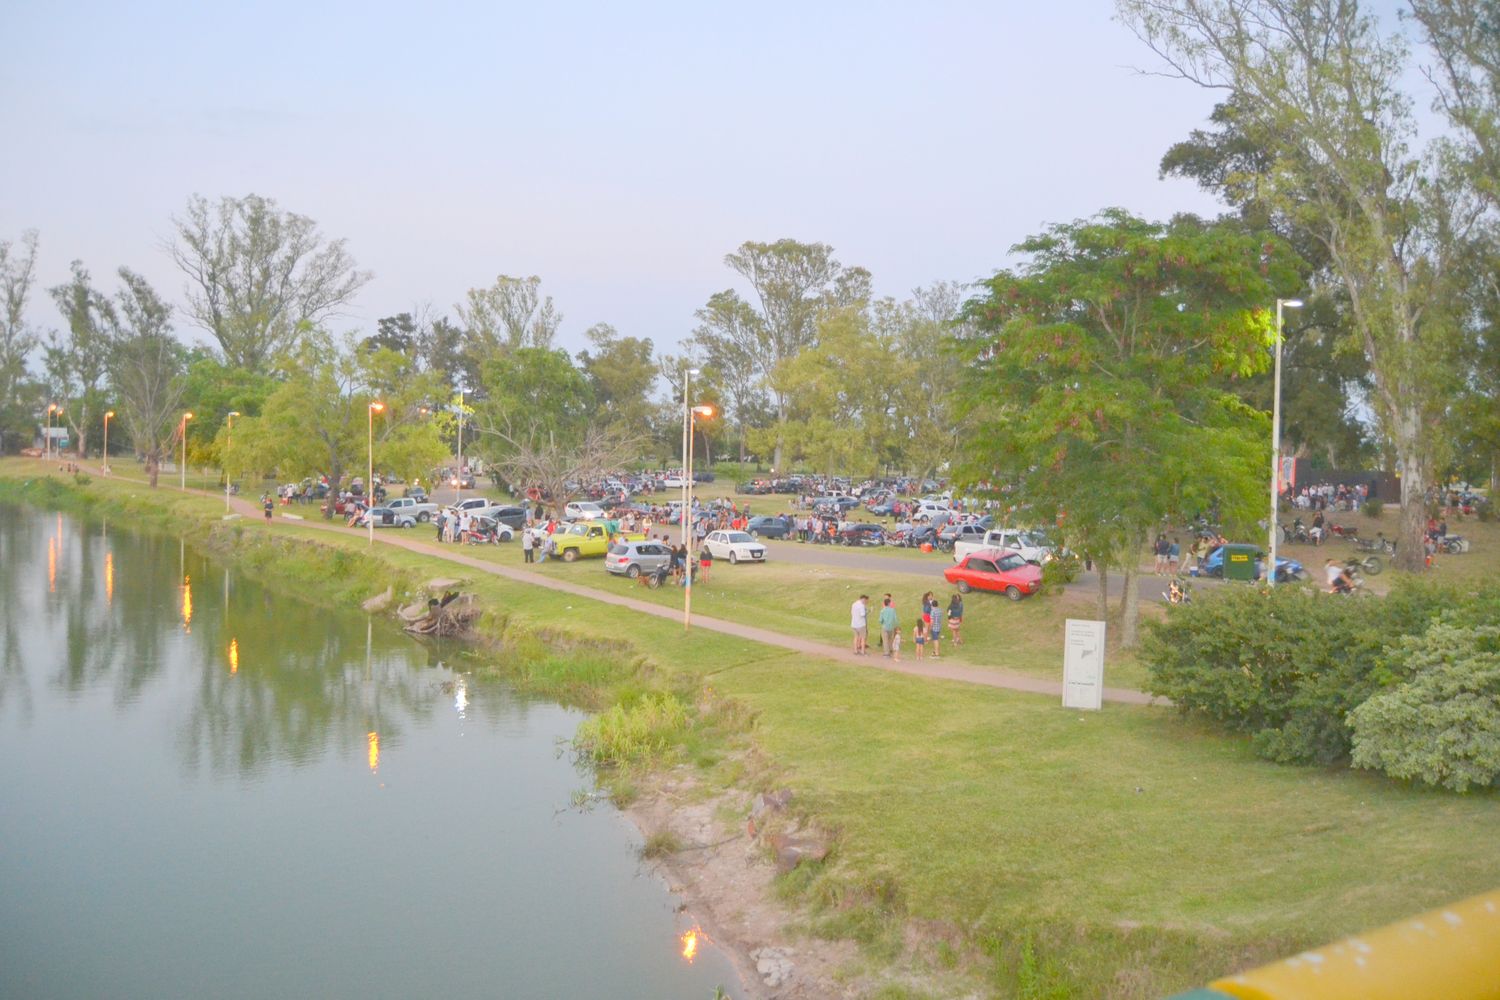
<point x="981" y="573"/>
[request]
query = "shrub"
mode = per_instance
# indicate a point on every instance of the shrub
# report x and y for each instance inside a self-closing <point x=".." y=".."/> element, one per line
<point x="1442" y="726"/>
<point x="1286" y="665"/>
<point x="644" y="731"/>
<point x="1372" y="508"/>
<point x="1056" y="572"/>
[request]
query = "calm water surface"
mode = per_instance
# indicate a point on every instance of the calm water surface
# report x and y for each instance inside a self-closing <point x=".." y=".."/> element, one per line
<point x="207" y="790"/>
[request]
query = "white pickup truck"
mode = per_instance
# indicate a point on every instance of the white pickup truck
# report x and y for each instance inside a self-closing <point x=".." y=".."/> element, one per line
<point x="1033" y="546"/>
<point x="411" y="506"/>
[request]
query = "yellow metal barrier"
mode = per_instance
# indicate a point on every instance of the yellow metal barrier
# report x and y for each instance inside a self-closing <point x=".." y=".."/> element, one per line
<point x="1451" y="953"/>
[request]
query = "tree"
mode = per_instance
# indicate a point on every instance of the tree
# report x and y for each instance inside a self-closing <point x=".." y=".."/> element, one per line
<point x="794" y="284"/>
<point x="509" y="315"/>
<point x="78" y="360"/>
<point x="146" y="369"/>
<point x="1094" y="383"/>
<point x="259" y="278"/>
<point x="1324" y="85"/>
<point x="555" y="465"/>
<point x="17" y="340"/>
<point x="1465" y="36"/>
<point x="929" y="334"/>
<point x="621" y="373"/>
<point x="211" y="391"/>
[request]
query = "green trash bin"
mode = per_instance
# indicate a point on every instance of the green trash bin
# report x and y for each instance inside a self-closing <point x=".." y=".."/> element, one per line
<point x="1239" y="562"/>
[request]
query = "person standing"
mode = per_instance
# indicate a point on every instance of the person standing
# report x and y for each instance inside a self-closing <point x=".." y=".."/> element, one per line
<point x="269" y="505"/>
<point x="919" y="636"/>
<point x="956" y="618"/>
<point x="859" y="621"/>
<point x="528" y="545"/>
<point x="890" y="627"/>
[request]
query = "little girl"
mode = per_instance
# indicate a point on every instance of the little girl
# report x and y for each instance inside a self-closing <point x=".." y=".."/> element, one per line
<point x="919" y="636"/>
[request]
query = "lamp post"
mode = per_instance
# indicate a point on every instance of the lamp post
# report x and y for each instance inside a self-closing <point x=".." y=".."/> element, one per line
<point x="1276" y="439"/>
<point x="687" y="384"/>
<point x="47" y="444"/>
<point x="228" y="445"/>
<point x="107" y="415"/>
<point x="458" y="478"/>
<point x="370" y="473"/>
<point x="183" y="430"/>
<point x="687" y="587"/>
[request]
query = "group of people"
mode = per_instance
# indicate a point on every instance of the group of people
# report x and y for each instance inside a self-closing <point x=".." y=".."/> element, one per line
<point x="927" y="632"/>
<point x="1328" y="496"/>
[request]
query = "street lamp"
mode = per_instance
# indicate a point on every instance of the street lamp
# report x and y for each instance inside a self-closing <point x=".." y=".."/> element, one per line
<point x="228" y="444"/>
<point x="458" y="478"/>
<point x="107" y="415"/>
<point x="47" y="444"/>
<point x="370" y="474"/>
<point x="182" y="429"/>
<point x="687" y="384"/>
<point x="687" y="589"/>
<point x="1276" y="439"/>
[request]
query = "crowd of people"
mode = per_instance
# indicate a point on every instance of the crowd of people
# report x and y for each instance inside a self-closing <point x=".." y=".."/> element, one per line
<point x="932" y="623"/>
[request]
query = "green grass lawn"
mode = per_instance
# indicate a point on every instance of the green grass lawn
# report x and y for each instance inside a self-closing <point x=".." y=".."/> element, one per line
<point x="1138" y="851"/>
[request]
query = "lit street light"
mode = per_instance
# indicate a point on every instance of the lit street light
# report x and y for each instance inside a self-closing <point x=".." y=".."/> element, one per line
<point x="182" y="429"/>
<point x="370" y="475"/>
<point x="228" y="444"/>
<point x="47" y="450"/>
<point x="107" y="415"/>
<point x="705" y="412"/>
<point x="1276" y="441"/>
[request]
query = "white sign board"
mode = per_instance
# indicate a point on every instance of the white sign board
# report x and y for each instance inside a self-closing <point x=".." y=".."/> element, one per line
<point x="1083" y="664"/>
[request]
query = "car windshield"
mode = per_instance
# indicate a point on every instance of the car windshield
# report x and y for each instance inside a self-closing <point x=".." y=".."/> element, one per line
<point x="579" y="529"/>
<point x="1011" y="561"/>
<point x="737" y="536"/>
<point x="1035" y="539"/>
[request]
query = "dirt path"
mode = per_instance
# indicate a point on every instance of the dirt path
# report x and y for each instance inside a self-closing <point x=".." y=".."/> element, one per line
<point x="997" y="677"/>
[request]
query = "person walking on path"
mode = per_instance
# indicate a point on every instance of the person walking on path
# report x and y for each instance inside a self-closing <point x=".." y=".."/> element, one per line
<point x="859" y="621"/>
<point x="528" y="545"/>
<point x="269" y="505"/>
<point x="956" y="618"/>
<point x="890" y="628"/>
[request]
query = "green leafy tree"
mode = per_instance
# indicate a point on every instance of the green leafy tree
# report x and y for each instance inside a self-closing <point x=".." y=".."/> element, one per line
<point x="509" y="315"/>
<point x="211" y="391"/>
<point x="17" y="339"/>
<point x="1324" y="85"/>
<point x="1094" y="389"/>
<point x="146" y="371"/>
<point x="77" y="360"/>
<point x="621" y="372"/>
<point x="259" y="278"/>
<point x="795" y="284"/>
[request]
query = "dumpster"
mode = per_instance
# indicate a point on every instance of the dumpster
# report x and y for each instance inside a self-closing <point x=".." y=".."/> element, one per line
<point x="1240" y="562"/>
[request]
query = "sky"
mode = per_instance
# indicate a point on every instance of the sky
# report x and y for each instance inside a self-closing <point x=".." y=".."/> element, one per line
<point x="618" y="151"/>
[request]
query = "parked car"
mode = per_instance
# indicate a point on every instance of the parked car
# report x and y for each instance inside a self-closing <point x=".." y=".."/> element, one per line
<point x="634" y="558"/>
<point x="384" y="517"/>
<point x="507" y="514"/>
<point x="952" y="534"/>
<point x="862" y="534"/>
<point x="675" y="481"/>
<point x="761" y="526"/>
<point x="736" y="546"/>
<point x="490" y="529"/>
<point x="586" y="538"/>
<point x="419" y="509"/>
<point x="1034" y="546"/>
<point x="470" y="504"/>
<point x="583" y="510"/>
<point x="994" y="570"/>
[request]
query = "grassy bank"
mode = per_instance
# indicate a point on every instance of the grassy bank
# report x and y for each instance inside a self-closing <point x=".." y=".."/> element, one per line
<point x="1128" y="852"/>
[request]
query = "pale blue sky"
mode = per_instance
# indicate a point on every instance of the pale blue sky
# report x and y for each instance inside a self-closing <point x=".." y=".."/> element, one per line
<point x="618" y="151"/>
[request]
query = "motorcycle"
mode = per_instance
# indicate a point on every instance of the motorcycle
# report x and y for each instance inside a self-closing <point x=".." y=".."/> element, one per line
<point x="1379" y="544"/>
<point x="1350" y="533"/>
<point x="1295" y="532"/>
<point x="1453" y="544"/>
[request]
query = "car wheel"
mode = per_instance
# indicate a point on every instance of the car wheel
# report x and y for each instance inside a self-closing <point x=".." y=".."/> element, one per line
<point x="755" y="533"/>
<point x="424" y="517"/>
<point x="633" y="572"/>
<point x="570" y="555"/>
<point x="1013" y="592"/>
<point x="963" y="586"/>
<point x="734" y="557"/>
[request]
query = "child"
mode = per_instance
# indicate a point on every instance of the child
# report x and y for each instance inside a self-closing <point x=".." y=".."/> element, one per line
<point x="956" y="618"/>
<point x="919" y="636"/>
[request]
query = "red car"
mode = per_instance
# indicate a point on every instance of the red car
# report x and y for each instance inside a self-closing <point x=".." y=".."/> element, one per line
<point x="992" y="569"/>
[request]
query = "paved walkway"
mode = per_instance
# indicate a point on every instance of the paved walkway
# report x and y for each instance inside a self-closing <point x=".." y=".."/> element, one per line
<point x="309" y="516"/>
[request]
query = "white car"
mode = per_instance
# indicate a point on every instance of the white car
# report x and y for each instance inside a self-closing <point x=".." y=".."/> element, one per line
<point x="927" y="511"/>
<point x="674" y="482"/>
<point x="384" y="517"/>
<point x="583" y="510"/>
<point x="734" y="546"/>
<point x="470" y="504"/>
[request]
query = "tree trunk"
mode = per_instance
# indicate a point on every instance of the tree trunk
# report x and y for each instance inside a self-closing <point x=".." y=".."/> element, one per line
<point x="335" y="476"/>
<point x="1130" y="600"/>
<point x="1411" y="552"/>
<point x="1103" y="590"/>
<point x="153" y="467"/>
<point x="776" y="466"/>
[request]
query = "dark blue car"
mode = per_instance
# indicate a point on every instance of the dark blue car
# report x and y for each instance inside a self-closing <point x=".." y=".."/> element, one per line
<point x="767" y="527"/>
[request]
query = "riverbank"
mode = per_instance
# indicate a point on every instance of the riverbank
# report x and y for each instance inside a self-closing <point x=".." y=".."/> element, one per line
<point x="984" y="841"/>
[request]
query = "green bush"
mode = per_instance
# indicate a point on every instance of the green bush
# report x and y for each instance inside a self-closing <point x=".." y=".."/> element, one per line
<point x="643" y="732"/>
<point x="1372" y="508"/>
<point x="1442" y="726"/>
<point x="1056" y="572"/>
<point x="1286" y="665"/>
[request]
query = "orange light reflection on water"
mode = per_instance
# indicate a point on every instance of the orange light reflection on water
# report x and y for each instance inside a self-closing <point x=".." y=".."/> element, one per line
<point x="109" y="578"/>
<point x="234" y="656"/>
<point x="690" y="945"/>
<point x="52" y="565"/>
<point x="374" y="741"/>
<point x="187" y="604"/>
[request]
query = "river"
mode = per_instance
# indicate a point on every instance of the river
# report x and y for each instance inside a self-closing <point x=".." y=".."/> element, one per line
<point x="208" y="789"/>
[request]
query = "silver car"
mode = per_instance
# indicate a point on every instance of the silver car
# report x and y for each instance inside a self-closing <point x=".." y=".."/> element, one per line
<point x="634" y="558"/>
